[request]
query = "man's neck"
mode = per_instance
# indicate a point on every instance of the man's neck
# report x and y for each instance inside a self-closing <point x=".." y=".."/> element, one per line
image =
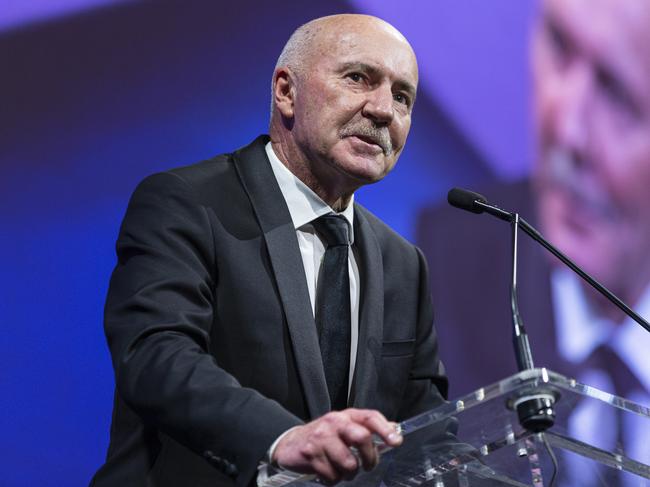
<point x="327" y="186"/>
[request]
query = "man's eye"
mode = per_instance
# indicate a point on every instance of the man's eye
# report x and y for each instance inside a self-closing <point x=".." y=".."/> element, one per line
<point x="616" y="92"/>
<point x="400" y="98"/>
<point x="356" y="77"/>
<point x="558" y="40"/>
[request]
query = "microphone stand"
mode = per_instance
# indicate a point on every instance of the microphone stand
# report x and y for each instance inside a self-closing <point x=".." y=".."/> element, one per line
<point x="522" y="346"/>
<point x="534" y="409"/>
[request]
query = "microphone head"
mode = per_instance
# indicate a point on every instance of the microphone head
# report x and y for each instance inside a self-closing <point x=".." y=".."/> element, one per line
<point x="464" y="199"/>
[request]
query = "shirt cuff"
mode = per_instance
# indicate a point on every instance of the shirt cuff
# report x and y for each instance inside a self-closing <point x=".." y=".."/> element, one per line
<point x="267" y="467"/>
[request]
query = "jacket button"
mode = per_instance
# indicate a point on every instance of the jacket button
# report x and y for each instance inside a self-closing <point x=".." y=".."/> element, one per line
<point x="230" y="470"/>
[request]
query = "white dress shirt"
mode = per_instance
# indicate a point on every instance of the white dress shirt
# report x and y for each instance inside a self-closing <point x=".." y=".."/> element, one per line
<point x="579" y="331"/>
<point x="305" y="206"/>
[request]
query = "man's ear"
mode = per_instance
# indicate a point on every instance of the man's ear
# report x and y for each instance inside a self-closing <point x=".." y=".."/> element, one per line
<point x="284" y="91"/>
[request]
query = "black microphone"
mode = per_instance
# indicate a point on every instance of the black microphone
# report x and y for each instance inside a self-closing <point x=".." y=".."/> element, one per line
<point x="534" y="407"/>
<point x="476" y="203"/>
<point x="465" y="199"/>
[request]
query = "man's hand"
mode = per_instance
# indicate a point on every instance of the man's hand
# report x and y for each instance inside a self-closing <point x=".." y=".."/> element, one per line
<point x="322" y="447"/>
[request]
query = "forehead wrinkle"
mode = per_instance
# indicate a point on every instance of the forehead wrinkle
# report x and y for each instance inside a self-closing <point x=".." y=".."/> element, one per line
<point x="400" y="82"/>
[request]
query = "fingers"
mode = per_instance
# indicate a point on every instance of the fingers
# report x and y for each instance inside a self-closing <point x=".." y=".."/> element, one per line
<point x="378" y="424"/>
<point x="366" y="423"/>
<point x="325" y="470"/>
<point x="317" y="449"/>
<point x="360" y="438"/>
<point x="336" y="445"/>
<point x="342" y="460"/>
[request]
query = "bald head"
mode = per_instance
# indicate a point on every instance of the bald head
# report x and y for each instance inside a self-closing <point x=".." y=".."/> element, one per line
<point x="318" y="34"/>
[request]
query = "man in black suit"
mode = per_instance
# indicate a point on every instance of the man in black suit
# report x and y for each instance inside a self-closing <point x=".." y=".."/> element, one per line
<point x="589" y="196"/>
<point x="210" y="316"/>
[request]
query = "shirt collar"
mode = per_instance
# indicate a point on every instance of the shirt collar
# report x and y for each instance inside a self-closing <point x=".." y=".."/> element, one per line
<point x="304" y="205"/>
<point x="580" y="330"/>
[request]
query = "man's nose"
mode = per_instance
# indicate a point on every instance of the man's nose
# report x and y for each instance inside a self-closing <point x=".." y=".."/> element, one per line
<point x="573" y="97"/>
<point x="379" y="106"/>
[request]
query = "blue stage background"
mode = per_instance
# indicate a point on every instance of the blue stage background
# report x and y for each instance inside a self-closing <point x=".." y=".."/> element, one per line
<point x="97" y="95"/>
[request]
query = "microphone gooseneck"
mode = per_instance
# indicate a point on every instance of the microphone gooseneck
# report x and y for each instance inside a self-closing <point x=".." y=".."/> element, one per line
<point x="478" y="204"/>
<point x="523" y="353"/>
<point x="535" y="408"/>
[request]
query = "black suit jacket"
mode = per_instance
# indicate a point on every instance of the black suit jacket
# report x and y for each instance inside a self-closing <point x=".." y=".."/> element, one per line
<point x="470" y="257"/>
<point x="212" y="336"/>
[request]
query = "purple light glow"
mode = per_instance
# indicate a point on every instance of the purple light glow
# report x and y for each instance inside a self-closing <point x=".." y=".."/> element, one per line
<point x="17" y="13"/>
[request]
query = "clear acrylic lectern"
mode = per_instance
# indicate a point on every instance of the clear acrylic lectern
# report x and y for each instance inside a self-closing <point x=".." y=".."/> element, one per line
<point x="476" y="440"/>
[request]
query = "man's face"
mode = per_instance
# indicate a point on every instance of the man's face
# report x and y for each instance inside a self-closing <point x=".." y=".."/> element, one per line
<point x="353" y="107"/>
<point x="591" y="70"/>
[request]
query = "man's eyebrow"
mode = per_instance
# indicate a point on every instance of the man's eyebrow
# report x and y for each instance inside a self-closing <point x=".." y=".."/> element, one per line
<point x="372" y="70"/>
<point x="358" y="65"/>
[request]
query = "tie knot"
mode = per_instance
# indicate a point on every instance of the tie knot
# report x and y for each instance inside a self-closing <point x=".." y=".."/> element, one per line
<point x="333" y="228"/>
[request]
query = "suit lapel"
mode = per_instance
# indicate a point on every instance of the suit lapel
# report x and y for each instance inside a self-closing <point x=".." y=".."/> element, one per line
<point x="273" y="216"/>
<point x="371" y="315"/>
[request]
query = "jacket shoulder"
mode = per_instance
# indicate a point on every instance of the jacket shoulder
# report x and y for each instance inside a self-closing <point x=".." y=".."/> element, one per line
<point x="214" y="180"/>
<point x="205" y="172"/>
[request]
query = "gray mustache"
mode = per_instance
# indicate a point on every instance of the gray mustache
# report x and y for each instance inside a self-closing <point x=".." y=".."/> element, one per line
<point x="378" y="135"/>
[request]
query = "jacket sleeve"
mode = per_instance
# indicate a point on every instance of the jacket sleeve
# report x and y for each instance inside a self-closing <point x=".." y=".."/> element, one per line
<point x="158" y="317"/>
<point x="427" y="382"/>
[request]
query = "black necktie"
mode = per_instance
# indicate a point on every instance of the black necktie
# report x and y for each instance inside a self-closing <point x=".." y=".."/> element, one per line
<point x="333" y="307"/>
<point x="607" y="360"/>
<point x="623" y="379"/>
